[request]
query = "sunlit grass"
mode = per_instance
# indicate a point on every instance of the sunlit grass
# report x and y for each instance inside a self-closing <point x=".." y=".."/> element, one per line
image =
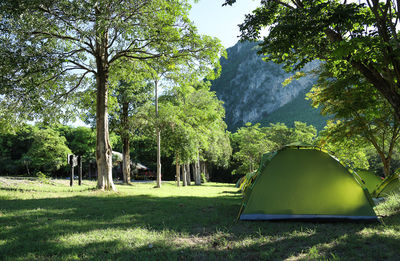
<point x="52" y="221"/>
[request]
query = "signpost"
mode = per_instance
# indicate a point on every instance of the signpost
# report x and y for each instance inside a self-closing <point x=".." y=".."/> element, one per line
<point x="74" y="161"/>
<point x="80" y="169"/>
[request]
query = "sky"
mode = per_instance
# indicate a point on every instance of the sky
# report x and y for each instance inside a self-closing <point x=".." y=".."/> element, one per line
<point x="213" y="19"/>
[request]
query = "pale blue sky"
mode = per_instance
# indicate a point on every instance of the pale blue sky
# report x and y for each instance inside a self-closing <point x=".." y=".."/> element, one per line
<point x="222" y="22"/>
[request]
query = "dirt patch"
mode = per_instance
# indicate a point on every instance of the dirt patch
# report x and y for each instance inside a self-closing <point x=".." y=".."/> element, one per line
<point x="13" y="181"/>
<point x="192" y="241"/>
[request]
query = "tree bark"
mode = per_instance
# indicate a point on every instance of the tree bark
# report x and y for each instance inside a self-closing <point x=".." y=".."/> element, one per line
<point x="158" y="139"/>
<point x="203" y="169"/>
<point x="188" y="179"/>
<point x="80" y="170"/>
<point x="184" y="177"/>
<point x="103" y="146"/>
<point x="177" y="171"/>
<point x="126" y="160"/>
<point x="197" y="171"/>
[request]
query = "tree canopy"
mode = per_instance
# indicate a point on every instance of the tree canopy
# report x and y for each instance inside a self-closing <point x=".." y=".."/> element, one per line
<point x="53" y="49"/>
<point x="360" y="111"/>
<point x="252" y="141"/>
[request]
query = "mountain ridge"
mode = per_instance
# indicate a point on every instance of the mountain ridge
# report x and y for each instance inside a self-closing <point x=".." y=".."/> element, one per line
<point x="252" y="90"/>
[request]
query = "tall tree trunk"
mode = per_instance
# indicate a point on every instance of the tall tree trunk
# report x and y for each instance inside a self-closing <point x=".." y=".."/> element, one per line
<point x="126" y="160"/>
<point x="158" y="139"/>
<point x="103" y="146"/>
<point x="177" y="171"/>
<point x="197" y="178"/>
<point x="188" y="179"/>
<point x="184" y="175"/>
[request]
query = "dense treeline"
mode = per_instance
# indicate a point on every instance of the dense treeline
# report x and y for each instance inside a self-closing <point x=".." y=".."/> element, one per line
<point x="36" y="149"/>
<point x="352" y="149"/>
<point x="63" y="54"/>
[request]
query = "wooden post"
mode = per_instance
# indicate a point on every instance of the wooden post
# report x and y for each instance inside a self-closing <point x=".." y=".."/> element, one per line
<point x="71" y="160"/>
<point x="80" y="169"/>
<point x="177" y="171"/>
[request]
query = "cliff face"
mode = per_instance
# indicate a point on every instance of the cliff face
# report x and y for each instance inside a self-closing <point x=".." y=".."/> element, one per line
<point x="252" y="89"/>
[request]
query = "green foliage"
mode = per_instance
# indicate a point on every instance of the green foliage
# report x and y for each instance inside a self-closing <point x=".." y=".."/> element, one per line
<point x="361" y="113"/>
<point x="191" y="121"/>
<point x="81" y="140"/>
<point x="352" y="152"/>
<point x="48" y="49"/>
<point x="43" y="178"/>
<point x="13" y="147"/>
<point x="362" y="34"/>
<point x="78" y="45"/>
<point x="203" y="178"/>
<point x="252" y="141"/>
<point x="48" y="152"/>
<point x="31" y="149"/>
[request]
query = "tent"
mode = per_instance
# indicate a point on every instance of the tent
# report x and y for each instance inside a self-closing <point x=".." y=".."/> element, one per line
<point x="247" y="180"/>
<point x="240" y="181"/>
<point x="390" y="185"/>
<point x="368" y="179"/>
<point x="299" y="182"/>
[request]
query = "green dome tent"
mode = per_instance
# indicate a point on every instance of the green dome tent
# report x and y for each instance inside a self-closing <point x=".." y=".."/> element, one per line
<point x="368" y="178"/>
<point x="300" y="182"/>
<point x="390" y="185"/>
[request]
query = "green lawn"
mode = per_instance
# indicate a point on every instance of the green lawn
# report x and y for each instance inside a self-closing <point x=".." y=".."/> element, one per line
<point x="40" y="221"/>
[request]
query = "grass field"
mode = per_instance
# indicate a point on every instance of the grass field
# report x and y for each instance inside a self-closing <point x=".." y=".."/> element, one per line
<point x="51" y="221"/>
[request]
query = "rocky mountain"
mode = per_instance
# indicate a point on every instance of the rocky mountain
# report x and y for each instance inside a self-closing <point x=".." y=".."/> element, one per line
<point x="252" y="91"/>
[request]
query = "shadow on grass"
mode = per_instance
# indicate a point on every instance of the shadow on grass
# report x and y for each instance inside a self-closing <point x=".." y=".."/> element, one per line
<point x="238" y="192"/>
<point x="194" y="228"/>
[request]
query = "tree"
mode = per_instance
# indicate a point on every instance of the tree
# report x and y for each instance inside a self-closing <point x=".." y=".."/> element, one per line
<point x="360" y="111"/>
<point x="252" y="143"/>
<point x="129" y="97"/>
<point x="48" y="152"/>
<point x="183" y="70"/>
<point x="303" y="133"/>
<point x="219" y="150"/>
<point x="191" y="120"/>
<point x="351" y="152"/>
<point x="13" y="145"/>
<point x="279" y="134"/>
<point x="362" y="34"/>
<point x="74" y="39"/>
<point x="81" y="141"/>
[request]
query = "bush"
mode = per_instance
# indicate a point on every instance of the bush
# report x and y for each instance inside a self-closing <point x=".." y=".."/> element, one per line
<point x="203" y="178"/>
<point x="42" y="177"/>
